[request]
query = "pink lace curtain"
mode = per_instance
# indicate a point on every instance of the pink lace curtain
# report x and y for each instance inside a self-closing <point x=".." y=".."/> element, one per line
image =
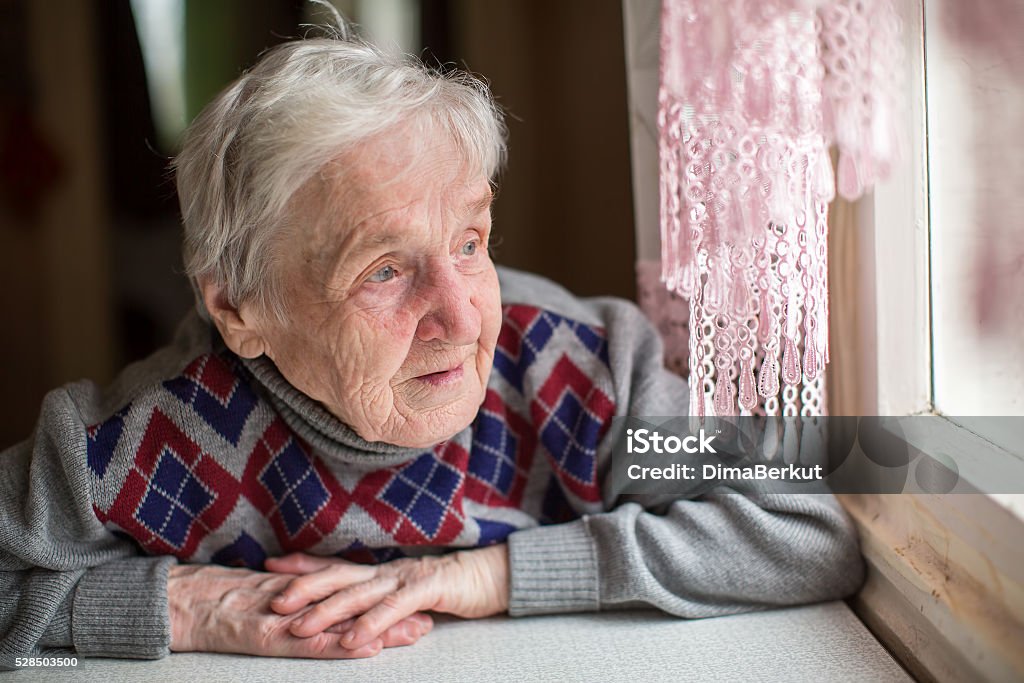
<point x="753" y="94"/>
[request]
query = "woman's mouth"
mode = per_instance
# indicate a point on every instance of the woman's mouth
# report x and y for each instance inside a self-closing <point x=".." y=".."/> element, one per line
<point x="443" y="377"/>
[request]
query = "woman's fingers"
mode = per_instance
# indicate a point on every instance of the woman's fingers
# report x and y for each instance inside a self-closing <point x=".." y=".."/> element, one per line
<point x="327" y="645"/>
<point x="370" y="650"/>
<point x="341" y="627"/>
<point x="323" y="646"/>
<point x="409" y="630"/>
<point x="405" y="632"/>
<point x="392" y="609"/>
<point x="319" y="584"/>
<point x="344" y="604"/>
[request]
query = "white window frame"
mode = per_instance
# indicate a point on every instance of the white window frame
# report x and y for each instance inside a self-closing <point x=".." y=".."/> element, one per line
<point x="897" y="216"/>
<point x="944" y="579"/>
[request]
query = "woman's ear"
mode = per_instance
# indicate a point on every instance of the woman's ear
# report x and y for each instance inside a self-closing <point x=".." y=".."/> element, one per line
<point x="239" y="327"/>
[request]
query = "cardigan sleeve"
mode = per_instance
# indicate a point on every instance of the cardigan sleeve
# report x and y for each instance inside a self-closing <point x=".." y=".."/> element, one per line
<point x="718" y="553"/>
<point x="65" y="580"/>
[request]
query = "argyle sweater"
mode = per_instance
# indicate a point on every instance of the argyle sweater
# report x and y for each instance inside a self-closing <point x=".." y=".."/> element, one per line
<point x="195" y="455"/>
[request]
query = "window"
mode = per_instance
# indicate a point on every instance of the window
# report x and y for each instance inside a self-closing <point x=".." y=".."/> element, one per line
<point x="906" y="270"/>
<point x="948" y="300"/>
<point x="933" y="241"/>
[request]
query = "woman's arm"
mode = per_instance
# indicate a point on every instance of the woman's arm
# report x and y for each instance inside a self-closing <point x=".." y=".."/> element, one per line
<point x="719" y="553"/>
<point x="65" y="581"/>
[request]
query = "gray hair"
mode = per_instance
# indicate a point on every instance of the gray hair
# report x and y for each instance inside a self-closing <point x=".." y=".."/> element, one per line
<point x="304" y="103"/>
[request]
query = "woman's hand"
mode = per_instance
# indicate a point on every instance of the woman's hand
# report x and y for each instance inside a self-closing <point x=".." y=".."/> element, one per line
<point x="468" y="583"/>
<point x="218" y="609"/>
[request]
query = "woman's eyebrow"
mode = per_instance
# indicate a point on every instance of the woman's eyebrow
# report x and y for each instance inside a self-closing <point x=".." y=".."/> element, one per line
<point x="480" y="205"/>
<point x="382" y="239"/>
<point x="374" y="241"/>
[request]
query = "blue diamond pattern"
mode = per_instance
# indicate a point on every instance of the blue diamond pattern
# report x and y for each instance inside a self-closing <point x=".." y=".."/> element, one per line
<point x="427" y="512"/>
<point x="100" y="446"/>
<point x="422" y="491"/>
<point x="245" y="551"/>
<point x="293" y="483"/>
<point x="493" y="455"/>
<point x="571" y="436"/>
<point x="512" y="371"/>
<point x="493" y="532"/>
<point x="228" y="420"/>
<point x="400" y="494"/>
<point x="170" y="473"/>
<point x="538" y="336"/>
<point x="173" y="501"/>
<point x="154" y="512"/>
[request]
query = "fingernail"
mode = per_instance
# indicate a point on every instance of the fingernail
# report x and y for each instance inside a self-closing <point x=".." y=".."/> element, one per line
<point x="280" y="597"/>
<point x="298" y="622"/>
<point x="348" y="638"/>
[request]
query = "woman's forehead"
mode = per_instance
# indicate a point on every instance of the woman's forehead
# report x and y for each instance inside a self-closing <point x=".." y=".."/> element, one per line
<point x="407" y="162"/>
<point x="361" y="205"/>
<point x="441" y="190"/>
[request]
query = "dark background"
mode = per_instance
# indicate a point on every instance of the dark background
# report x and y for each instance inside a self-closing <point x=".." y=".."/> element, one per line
<point x="89" y="231"/>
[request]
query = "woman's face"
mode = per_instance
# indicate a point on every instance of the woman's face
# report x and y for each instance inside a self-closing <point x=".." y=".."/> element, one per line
<point x="392" y="297"/>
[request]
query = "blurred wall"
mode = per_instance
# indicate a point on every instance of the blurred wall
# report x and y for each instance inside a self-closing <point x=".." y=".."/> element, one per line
<point x="564" y="208"/>
<point x="54" y="231"/>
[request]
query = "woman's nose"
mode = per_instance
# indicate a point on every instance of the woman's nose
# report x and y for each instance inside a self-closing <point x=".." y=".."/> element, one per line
<point x="450" y="315"/>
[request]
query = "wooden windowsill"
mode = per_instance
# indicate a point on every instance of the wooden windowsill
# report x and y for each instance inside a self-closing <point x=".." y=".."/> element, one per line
<point x="945" y="589"/>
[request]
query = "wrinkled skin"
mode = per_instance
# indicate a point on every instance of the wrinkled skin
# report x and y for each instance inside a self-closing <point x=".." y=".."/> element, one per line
<point x="393" y="316"/>
<point x="327" y="608"/>
<point x="381" y="598"/>
<point x="219" y="609"/>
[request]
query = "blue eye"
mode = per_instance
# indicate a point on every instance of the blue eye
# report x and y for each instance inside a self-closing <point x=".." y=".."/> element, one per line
<point x="383" y="275"/>
<point x="469" y="248"/>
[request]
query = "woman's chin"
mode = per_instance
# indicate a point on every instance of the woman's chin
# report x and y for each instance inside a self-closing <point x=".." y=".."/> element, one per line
<point x="427" y="426"/>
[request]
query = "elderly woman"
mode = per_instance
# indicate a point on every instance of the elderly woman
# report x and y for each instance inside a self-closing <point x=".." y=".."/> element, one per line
<point x="365" y="419"/>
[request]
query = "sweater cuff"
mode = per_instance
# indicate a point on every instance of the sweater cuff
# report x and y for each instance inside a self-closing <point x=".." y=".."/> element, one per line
<point x="120" y="609"/>
<point x="58" y="632"/>
<point x="553" y="569"/>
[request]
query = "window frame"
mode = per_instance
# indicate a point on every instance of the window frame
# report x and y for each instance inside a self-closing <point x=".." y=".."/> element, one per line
<point x="943" y="590"/>
<point x="897" y="216"/>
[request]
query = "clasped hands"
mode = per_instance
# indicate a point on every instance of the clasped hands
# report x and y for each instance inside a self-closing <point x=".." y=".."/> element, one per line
<point x="327" y="608"/>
